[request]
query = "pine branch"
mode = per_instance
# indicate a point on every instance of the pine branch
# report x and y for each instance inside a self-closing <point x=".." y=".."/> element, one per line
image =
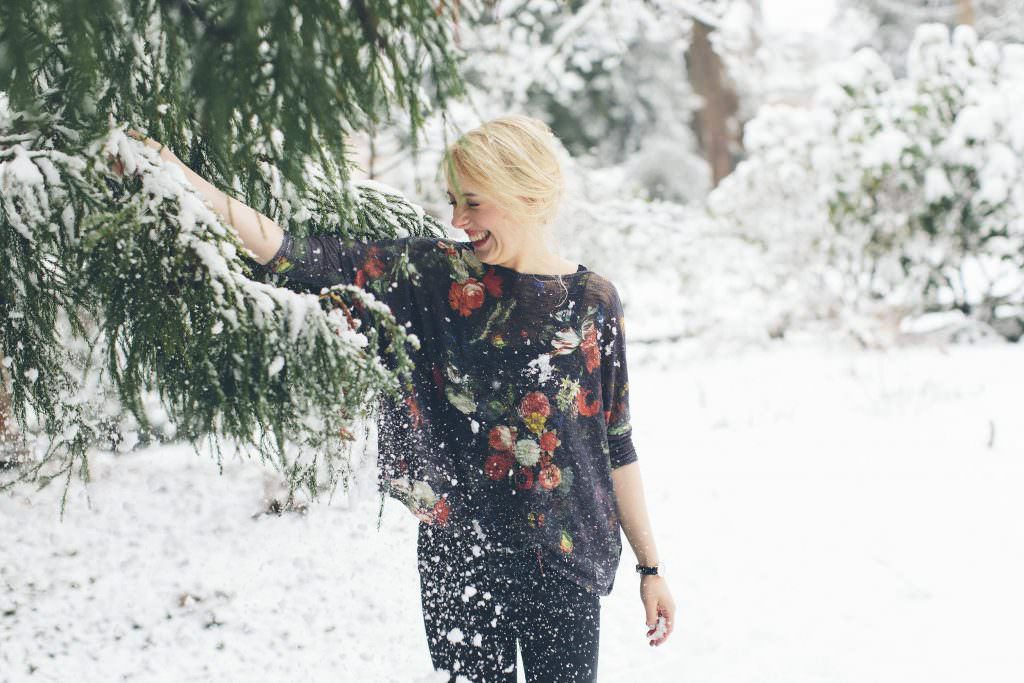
<point x="124" y="288"/>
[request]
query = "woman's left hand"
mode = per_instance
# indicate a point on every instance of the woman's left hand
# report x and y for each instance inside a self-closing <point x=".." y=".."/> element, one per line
<point x="163" y="150"/>
<point x="659" y="606"/>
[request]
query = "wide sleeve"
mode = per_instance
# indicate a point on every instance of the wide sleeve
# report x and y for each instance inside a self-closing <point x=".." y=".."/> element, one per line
<point x="385" y="268"/>
<point x="615" y="384"/>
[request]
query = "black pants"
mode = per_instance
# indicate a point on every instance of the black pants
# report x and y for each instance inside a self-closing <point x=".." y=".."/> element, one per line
<point x="477" y="604"/>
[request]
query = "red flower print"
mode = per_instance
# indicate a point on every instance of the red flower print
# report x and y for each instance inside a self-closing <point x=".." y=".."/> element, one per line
<point x="524" y="478"/>
<point x="535" y="402"/>
<point x="448" y="249"/>
<point x="374" y="267"/>
<point x="492" y="281"/>
<point x="502" y="438"/>
<point x="586" y="409"/>
<point x="466" y="296"/>
<point x="498" y="465"/>
<point x="441" y="511"/>
<point x="544" y="460"/>
<point x="360" y="278"/>
<point x="549" y="441"/>
<point x="414" y="411"/>
<point x="607" y="416"/>
<point x="550" y="477"/>
<point x="589" y="347"/>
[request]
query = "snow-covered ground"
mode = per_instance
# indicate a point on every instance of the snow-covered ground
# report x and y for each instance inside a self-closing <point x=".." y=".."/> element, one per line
<point x="827" y="515"/>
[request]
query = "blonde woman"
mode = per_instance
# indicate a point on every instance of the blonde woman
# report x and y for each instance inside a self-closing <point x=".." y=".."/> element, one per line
<point x="514" y="448"/>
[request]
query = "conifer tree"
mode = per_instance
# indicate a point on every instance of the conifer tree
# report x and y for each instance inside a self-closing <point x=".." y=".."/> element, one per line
<point x="126" y="303"/>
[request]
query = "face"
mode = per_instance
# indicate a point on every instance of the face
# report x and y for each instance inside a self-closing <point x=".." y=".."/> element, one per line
<point x="495" y="238"/>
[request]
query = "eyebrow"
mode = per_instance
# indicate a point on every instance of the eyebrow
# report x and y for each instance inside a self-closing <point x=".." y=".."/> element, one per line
<point x="465" y="194"/>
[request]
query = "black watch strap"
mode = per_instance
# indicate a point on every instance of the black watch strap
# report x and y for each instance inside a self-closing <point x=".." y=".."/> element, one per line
<point x="644" y="569"/>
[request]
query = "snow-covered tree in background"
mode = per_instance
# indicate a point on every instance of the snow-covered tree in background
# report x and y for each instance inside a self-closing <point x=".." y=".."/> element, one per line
<point x="608" y="76"/>
<point x="125" y="302"/>
<point x="604" y="74"/>
<point x="902" y="196"/>
<point x="888" y="26"/>
<point x="937" y="210"/>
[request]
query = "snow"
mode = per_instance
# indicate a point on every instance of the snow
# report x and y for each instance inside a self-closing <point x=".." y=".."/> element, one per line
<point x="936" y="185"/>
<point x="20" y="170"/>
<point x="800" y="16"/>
<point x="829" y="516"/>
<point x="885" y="149"/>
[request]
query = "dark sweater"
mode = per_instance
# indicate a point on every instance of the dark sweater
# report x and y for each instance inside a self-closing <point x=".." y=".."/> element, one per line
<point x="519" y="408"/>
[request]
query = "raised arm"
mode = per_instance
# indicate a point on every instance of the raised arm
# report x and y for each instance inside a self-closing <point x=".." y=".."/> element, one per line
<point x="259" y="234"/>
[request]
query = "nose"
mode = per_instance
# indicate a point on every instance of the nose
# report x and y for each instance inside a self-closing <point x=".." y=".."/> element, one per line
<point x="459" y="218"/>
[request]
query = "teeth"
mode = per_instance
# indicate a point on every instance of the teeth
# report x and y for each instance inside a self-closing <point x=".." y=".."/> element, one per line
<point x="477" y="236"/>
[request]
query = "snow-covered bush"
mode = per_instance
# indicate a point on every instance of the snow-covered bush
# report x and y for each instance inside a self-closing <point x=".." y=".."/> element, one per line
<point x="899" y="196"/>
<point x="928" y="189"/>
<point x="680" y="275"/>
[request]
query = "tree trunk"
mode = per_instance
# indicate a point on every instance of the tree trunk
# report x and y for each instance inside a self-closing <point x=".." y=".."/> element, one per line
<point x="714" y="119"/>
<point x="965" y="12"/>
<point x="8" y="439"/>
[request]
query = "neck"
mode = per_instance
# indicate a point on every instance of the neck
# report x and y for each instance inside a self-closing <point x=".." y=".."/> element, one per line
<point x="538" y="257"/>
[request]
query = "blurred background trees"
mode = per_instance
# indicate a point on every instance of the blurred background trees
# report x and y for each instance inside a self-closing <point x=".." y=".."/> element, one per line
<point x="720" y="177"/>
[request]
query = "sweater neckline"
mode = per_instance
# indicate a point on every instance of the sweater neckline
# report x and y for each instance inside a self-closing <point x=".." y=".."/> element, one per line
<point x="580" y="270"/>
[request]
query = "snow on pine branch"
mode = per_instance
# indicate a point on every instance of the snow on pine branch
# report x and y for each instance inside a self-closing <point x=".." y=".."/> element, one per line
<point x="121" y="289"/>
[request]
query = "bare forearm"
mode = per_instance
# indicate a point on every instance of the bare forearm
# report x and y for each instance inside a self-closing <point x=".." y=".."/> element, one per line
<point x="259" y="234"/>
<point x="633" y="517"/>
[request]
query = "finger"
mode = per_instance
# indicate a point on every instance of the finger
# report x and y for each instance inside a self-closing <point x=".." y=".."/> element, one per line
<point x="115" y="165"/>
<point x="656" y="633"/>
<point x="669" y="618"/>
<point x="666" y="629"/>
<point x="651" y="609"/>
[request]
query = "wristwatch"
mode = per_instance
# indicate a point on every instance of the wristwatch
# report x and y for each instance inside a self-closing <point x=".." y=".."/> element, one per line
<point x="656" y="570"/>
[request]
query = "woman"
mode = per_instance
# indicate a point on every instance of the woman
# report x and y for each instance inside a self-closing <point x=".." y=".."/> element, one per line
<point x="514" y="446"/>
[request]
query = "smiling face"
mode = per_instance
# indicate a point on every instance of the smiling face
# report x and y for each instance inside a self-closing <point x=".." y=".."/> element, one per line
<point x="496" y="239"/>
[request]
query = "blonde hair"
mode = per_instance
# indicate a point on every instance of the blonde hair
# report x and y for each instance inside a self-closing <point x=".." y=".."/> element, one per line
<point x="513" y="160"/>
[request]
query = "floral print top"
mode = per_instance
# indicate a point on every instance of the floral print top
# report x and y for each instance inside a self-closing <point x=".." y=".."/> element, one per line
<point x="519" y="409"/>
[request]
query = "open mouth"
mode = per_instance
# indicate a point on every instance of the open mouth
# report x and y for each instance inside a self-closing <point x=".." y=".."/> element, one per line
<point x="479" y="238"/>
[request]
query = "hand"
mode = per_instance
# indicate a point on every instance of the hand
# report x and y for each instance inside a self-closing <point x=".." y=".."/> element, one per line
<point x="659" y="605"/>
<point x="117" y="166"/>
<point x="165" y="152"/>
